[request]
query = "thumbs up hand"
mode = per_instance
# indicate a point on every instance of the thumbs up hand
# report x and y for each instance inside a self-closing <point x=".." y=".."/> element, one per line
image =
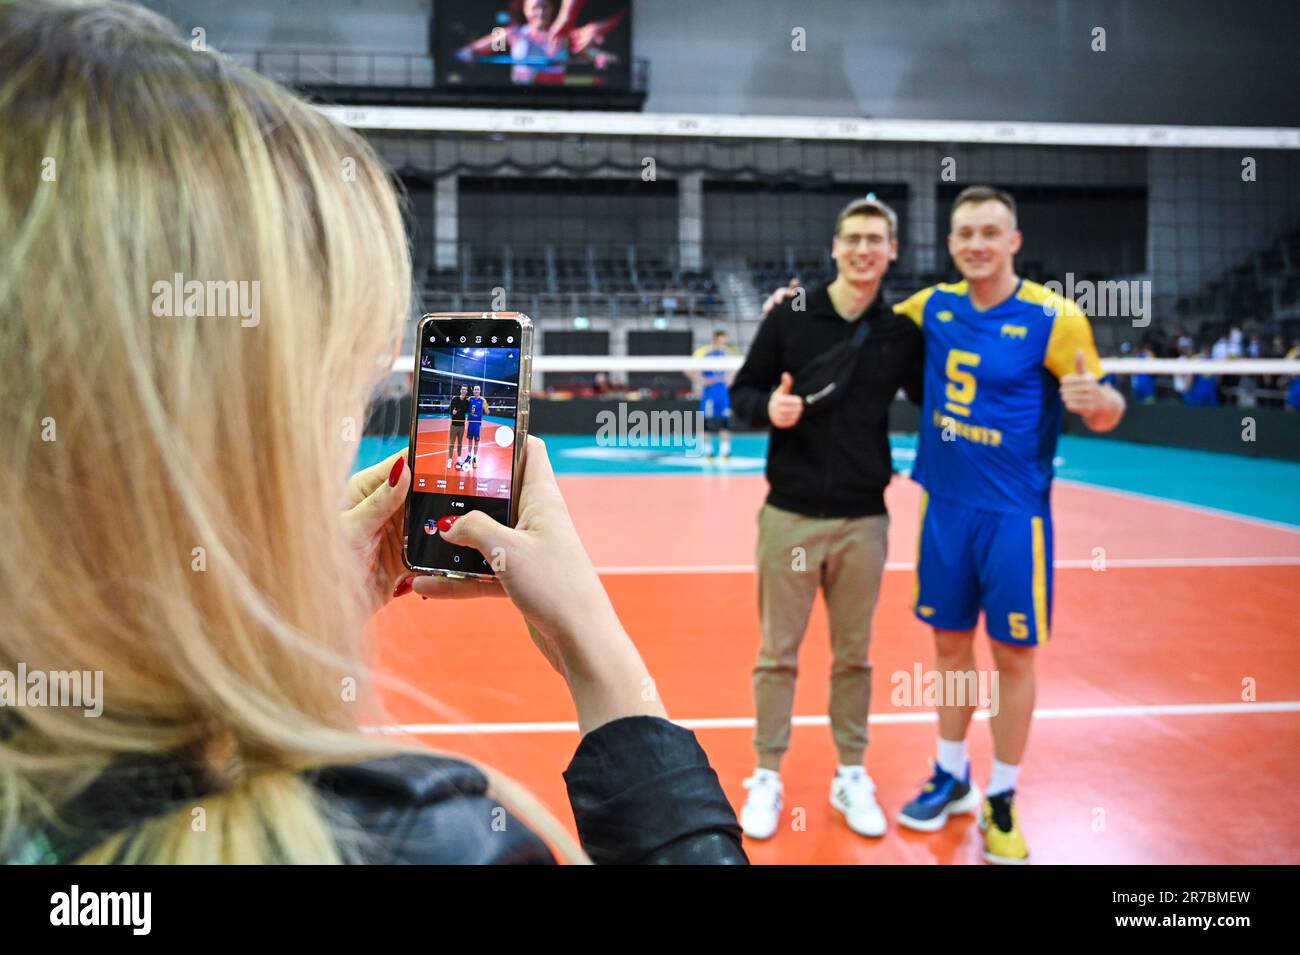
<point x="1081" y="391"/>
<point x="784" y="408"/>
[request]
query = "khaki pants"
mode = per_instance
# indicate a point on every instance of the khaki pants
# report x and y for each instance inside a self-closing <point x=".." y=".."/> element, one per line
<point x="845" y="557"/>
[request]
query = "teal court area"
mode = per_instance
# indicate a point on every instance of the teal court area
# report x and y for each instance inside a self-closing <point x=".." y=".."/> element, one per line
<point x="1261" y="488"/>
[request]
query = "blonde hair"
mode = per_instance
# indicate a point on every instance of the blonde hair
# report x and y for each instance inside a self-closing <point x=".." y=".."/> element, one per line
<point x="977" y="195"/>
<point x="869" y="206"/>
<point x="171" y="483"/>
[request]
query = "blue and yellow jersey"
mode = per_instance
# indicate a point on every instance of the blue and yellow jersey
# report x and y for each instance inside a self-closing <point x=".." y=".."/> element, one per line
<point x="713" y="382"/>
<point x="713" y="376"/>
<point x="476" y="408"/>
<point x="992" y="408"/>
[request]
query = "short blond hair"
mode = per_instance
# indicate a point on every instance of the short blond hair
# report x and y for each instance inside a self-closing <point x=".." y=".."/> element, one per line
<point x="976" y="195"/>
<point x="868" y="206"/>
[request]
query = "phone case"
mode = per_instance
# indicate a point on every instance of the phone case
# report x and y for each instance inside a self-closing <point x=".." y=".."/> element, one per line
<point x="521" y="424"/>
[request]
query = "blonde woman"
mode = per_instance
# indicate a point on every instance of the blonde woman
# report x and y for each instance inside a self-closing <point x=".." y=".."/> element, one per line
<point x="173" y="478"/>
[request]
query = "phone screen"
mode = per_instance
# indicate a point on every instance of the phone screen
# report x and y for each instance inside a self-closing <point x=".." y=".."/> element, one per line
<point x="465" y="431"/>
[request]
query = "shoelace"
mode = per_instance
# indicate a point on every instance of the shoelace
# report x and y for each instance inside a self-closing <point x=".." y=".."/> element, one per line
<point x="1001" y="804"/>
<point x="770" y="792"/>
<point x="931" y="783"/>
<point x="861" y="786"/>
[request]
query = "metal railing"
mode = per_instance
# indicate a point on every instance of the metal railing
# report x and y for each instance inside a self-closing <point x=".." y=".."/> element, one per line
<point x="339" y="67"/>
<point x="365" y="67"/>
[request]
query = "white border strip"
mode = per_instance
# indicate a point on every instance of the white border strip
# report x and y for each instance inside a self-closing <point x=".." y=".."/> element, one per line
<point x="571" y="122"/>
<point x="1118" y="366"/>
<point x="879" y="719"/>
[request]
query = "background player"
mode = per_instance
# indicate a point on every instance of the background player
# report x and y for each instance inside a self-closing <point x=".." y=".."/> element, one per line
<point x="715" y="400"/>
<point x="456" y="408"/>
<point x="1002" y="356"/>
<point x="473" y="426"/>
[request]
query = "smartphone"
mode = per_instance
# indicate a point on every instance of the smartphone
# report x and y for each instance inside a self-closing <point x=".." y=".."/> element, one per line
<point x="469" y="424"/>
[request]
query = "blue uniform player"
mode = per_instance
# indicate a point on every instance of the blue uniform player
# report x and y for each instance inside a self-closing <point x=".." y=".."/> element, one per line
<point x="1004" y="359"/>
<point x="473" y="426"/>
<point x="715" y="399"/>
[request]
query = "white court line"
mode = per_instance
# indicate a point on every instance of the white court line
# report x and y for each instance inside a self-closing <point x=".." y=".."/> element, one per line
<point x="1071" y="564"/>
<point x="928" y="716"/>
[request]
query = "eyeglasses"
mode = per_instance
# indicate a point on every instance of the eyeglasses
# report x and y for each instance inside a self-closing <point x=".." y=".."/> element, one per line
<point x="856" y="239"/>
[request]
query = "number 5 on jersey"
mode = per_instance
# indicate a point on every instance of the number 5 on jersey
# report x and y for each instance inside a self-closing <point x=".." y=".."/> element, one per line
<point x="961" y="383"/>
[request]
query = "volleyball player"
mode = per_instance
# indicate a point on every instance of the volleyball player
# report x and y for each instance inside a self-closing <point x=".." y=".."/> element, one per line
<point x="1003" y="357"/>
<point x="474" y="425"/>
<point x="715" y="400"/>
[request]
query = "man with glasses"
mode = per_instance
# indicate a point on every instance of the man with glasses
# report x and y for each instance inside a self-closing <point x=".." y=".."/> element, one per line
<point x="824" y="524"/>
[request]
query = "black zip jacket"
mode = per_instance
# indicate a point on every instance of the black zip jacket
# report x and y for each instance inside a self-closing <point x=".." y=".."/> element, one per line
<point x="836" y="463"/>
<point x="641" y="789"/>
<point x="457" y="408"/>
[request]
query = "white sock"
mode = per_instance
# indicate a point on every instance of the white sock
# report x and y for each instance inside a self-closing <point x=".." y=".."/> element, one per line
<point x="952" y="757"/>
<point x="851" y="770"/>
<point x="766" y="775"/>
<point x="726" y="446"/>
<point x="1003" y="777"/>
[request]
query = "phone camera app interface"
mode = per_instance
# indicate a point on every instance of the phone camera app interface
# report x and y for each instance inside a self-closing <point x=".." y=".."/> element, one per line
<point x="468" y="403"/>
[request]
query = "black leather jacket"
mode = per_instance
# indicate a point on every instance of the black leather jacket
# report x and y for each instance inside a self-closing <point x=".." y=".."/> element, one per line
<point x="641" y="789"/>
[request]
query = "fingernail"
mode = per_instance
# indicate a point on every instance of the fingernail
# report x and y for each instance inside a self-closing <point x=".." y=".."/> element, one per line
<point x="395" y="474"/>
<point x="403" y="588"/>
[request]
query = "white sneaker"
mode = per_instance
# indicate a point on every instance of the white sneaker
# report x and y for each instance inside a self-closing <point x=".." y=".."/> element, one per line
<point x="761" y="813"/>
<point x="854" y="794"/>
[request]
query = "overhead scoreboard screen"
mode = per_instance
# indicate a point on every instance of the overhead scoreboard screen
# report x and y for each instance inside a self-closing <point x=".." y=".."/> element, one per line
<point x="520" y="43"/>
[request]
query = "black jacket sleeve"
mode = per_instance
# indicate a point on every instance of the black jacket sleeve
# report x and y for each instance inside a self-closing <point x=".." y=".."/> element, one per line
<point x="641" y="789"/>
<point x="424" y="809"/>
<point x="760" y="373"/>
<point x="643" y="792"/>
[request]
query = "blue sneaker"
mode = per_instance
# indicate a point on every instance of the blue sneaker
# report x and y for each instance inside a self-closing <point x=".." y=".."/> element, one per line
<point x="944" y="795"/>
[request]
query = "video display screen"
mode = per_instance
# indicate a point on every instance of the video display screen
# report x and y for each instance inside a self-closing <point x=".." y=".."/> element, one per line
<point x="520" y="43"/>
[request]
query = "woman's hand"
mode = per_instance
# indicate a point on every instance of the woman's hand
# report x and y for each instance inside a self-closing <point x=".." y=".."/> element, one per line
<point x="374" y="521"/>
<point x="544" y="570"/>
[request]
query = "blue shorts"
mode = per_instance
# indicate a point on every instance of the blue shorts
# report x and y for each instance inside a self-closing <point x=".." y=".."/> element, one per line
<point x="472" y="431"/>
<point x="715" y="406"/>
<point x="971" y="560"/>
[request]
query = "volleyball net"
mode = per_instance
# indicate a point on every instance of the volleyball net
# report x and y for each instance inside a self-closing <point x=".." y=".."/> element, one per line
<point x="632" y="239"/>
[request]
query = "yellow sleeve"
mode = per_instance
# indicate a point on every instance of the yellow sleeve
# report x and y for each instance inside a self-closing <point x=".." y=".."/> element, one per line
<point x="914" y="307"/>
<point x="1071" y="333"/>
<point x="702" y="351"/>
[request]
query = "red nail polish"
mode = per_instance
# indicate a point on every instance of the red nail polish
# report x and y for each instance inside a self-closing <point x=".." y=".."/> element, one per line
<point x="396" y="473"/>
<point x="403" y="588"/>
